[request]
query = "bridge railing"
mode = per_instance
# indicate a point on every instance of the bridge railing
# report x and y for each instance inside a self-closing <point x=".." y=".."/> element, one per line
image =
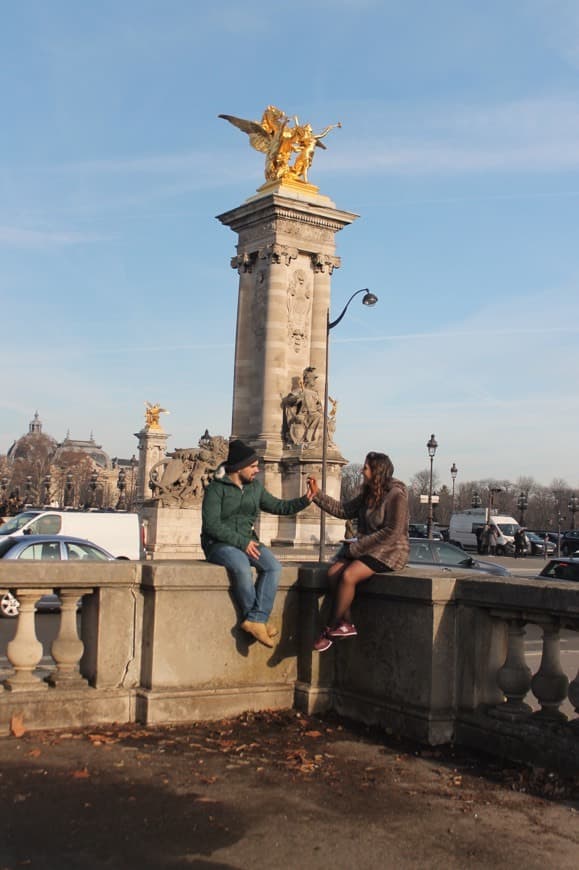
<point x="437" y="659"/>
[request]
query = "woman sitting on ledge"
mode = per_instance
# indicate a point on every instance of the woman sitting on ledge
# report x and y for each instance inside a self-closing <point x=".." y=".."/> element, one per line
<point x="382" y="544"/>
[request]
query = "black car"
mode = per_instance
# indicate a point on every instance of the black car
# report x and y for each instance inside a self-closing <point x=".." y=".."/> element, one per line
<point x="551" y="536"/>
<point x="569" y="542"/>
<point x="420" y="530"/>
<point x="561" y="569"/>
<point x="537" y="544"/>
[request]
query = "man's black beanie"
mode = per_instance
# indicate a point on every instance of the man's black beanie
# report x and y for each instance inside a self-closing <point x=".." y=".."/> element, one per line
<point x="239" y="456"/>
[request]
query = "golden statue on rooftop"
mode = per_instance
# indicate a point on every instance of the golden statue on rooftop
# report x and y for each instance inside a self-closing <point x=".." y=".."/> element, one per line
<point x="152" y="414"/>
<point x="280" y="138"/>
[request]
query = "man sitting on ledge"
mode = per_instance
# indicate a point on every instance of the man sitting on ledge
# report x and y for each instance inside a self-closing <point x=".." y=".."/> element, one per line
<point x="230" y="507"/>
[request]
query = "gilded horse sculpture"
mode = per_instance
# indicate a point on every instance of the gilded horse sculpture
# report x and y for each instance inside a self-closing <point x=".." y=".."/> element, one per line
<point x="275" y="137"/>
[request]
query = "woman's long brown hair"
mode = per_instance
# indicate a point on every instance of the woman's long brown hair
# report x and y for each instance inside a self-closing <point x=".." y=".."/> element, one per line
<point x="382" y="470"/>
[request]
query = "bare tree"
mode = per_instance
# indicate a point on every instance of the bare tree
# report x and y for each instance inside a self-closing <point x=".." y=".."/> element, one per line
<point x="420" y="482"/>
<point x="351" y="480"/>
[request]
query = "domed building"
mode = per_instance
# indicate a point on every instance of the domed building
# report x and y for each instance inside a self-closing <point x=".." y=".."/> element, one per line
<point x="39" y="470"/>
<point x="34" y="444"/>
<point x="90" y="448"/>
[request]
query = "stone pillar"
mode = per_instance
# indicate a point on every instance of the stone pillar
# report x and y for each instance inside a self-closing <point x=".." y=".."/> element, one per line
<point x="285" y="259"/>
<point x="152" y="449"/>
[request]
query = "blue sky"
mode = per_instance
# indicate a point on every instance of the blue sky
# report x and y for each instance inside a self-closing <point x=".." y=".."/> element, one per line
<point x="459" y="150"/>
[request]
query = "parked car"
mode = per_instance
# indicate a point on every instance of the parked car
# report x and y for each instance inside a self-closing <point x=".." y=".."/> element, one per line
<point x="537" y="545"/>
<point x="420" y="530"/>
<point x="428" y="553"/>
<point x="52" y="548"/>
<point x="569" y="542"/>
<point x="552" y="536"/>
<point x="561" y="569"/>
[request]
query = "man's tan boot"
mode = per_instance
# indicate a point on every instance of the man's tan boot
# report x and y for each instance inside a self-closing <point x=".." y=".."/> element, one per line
<point x="271" y="629"/>
<point x="258" y="631"/>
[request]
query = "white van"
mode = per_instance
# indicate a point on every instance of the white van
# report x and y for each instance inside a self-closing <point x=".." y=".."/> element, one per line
<point x="464" y="526"/>
<point x="119" y="533"/>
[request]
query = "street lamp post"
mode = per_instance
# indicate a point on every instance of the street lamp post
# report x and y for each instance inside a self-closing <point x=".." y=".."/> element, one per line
<point x="453" y="473"/>
<point x="68" y="491"/>
<point x="47" y="488"/>
<point x="368" y="299"/>
<point x="122" y="486"/>
<point x="94" y="479"/>
<point x="573" y="507"/>
<point x="28" y="490"/>
<point x="431" y="446"/>
<point x="493" y="490"/>
<point x="522" y="504"/>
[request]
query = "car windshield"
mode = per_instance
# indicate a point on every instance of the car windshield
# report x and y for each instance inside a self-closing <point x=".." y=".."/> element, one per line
<point x="450" y="555"/>
<point x="508" y="529"/>
<point x="15" y="523"/>
<point x="6" y="546"/>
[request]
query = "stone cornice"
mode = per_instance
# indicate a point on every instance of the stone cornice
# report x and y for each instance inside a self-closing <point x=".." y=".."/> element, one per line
<point x="273" y="208"/>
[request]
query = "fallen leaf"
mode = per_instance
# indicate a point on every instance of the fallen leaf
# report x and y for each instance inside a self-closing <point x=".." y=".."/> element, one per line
<point x="81" y="774"/>
<point x="313" y="734"/>
<point x="34" y="753"/>
<point x="17" y="725"/>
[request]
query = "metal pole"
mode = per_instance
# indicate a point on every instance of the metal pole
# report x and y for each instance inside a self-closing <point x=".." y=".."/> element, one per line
<point x="429" y="523"/>
<point x="322" y="553"/>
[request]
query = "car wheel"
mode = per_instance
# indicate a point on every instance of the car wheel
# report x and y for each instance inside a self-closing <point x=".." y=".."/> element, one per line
<point x="9" y="605"/>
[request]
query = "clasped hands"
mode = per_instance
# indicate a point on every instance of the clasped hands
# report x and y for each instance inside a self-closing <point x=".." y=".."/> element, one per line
<point x="313" y="488"/>
<point x="252" y="548"/>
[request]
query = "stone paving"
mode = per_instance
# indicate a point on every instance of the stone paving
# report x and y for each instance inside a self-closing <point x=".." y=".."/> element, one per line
<point x="273" y="790"/>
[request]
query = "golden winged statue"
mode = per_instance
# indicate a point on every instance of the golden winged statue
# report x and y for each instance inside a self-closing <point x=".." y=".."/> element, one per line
<point x="275" y="137"/>
<point x="152" y="414"/>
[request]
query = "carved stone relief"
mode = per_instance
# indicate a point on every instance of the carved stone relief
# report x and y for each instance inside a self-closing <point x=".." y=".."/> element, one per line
<point x="276" y="253"/>
<point x="322" y="262"/>
<point x="244" y="261"/>
<point x="299" y="303"/>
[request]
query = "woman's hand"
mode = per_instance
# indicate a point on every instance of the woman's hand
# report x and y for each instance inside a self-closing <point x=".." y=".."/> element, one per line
<point x="313" y="488"/>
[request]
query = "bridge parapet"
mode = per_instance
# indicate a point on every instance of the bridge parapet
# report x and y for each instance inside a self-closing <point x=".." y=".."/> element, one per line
<point x="438" y="659"/>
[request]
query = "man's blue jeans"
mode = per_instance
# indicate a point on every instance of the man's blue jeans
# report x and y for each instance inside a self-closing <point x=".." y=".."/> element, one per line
<point x="254" y="601"/>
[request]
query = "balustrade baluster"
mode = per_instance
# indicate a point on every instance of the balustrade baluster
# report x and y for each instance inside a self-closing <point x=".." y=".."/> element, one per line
<point x="24" y="651"/>
<point x="67" y="647"/>
<point x="514" y="678"/>
<point x="550" y="683"/>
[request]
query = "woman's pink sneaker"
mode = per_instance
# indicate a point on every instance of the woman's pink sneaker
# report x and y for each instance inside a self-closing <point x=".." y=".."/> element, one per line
<point x="323" y="642"/>
<point x="342" y="629"/>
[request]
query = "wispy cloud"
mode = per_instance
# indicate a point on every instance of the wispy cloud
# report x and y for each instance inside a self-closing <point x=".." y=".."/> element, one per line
<point x="20" y="237"/>
<point x="463" y="333"/>
<point x="524" y="136"/>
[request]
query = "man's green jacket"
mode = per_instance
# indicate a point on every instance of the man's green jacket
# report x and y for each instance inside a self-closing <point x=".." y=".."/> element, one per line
<point x="229" y="512"/>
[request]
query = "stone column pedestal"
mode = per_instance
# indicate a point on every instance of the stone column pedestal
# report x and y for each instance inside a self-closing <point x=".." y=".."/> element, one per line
<point x="172" y="533"/>
<point x="152" y="449"/>
<point x="285" y="259"/>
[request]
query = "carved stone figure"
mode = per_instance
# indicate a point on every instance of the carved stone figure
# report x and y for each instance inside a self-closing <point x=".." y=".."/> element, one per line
<point x="303" y="411"/>
<point x="279" y="141"/>
<point x="179" y="480"/>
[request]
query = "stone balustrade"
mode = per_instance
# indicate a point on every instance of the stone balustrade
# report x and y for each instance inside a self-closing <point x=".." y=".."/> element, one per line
<point x="437" y="659"/>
